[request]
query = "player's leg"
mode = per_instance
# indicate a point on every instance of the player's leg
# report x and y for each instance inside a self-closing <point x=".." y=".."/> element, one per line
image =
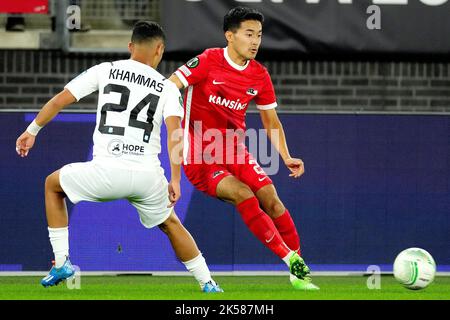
<point x="150" y="197"/>
<point x="218" y="182"/>
<point x="272" y="205"/>
<point x="77" y="181"/>
<point x="55" y="205"/>
<point x="269" y="200"/>
<point x="57" y="219"/>
<point x="182" y="242"/>
<point x="232" y="190"/>
<point x="187" y="251"/>
<point x="261" y="185"/>
<point x="257" y="180"/>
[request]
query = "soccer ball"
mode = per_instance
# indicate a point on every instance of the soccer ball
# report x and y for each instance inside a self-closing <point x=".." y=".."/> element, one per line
<point x="414" y="268"/>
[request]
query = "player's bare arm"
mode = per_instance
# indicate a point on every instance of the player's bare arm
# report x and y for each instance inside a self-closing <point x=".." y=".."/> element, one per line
<point x="26" y="140"/>
<point x="175" y="149"/>
<point x="177" y="81"/>
<point x="275" y="131"/>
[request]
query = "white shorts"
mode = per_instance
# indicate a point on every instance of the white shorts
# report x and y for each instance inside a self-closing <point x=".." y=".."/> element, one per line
<point x="145" y="190"/>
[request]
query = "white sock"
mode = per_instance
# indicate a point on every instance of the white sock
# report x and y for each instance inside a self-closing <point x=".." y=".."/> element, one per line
<point x="286" y="259"/>
<point x="59" y="238"/>
<point x="199" y="270"/>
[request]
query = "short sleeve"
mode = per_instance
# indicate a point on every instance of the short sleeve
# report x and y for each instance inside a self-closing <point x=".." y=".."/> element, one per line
<point x="266" y="99"/>
<point x="173" y="105"/>
<point x="85" y="83"/>
<point x="194" y="70"/>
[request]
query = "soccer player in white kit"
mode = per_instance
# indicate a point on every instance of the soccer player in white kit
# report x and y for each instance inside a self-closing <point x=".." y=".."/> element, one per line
<point x="132" y="103"/>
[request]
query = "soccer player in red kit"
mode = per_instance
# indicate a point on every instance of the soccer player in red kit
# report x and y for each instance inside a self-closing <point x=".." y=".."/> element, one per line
<point x="220" y="84"/>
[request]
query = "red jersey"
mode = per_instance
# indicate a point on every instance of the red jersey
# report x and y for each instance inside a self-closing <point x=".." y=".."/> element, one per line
<point x="219" y="92"/>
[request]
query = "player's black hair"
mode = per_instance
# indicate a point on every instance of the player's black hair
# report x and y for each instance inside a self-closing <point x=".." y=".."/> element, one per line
<point x="235" y="16"/>
<point x="147" y="31"/>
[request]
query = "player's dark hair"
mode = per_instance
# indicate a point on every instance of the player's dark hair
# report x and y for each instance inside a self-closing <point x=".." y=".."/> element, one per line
<point x="147" y="31"/>
<point x="234" y="17"/>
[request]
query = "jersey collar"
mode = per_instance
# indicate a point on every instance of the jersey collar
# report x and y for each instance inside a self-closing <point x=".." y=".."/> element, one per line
<point x="233" y="64"/>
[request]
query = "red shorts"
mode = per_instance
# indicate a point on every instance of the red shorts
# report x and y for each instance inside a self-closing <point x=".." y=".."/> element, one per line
<point x="205" y="177"/>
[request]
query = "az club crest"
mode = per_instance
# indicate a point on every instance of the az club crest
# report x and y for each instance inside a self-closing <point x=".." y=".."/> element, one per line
<point x="252" y="92"/>
<point x="217" y="173"/>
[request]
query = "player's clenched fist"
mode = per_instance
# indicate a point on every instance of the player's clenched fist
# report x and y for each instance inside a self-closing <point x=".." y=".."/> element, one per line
<point x="174" y="193"/>
<point x="296" y="167"/>
<point x="24" y="143"/>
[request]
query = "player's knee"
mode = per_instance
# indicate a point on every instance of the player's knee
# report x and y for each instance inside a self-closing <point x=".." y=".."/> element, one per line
<point x="52" y="183"/>
<point x="243" y="193"/>
<point x="274" y="208"/>
<point x="49" y="183"/>
<point x="163" y="228"/>
<point x="169" y="224"/>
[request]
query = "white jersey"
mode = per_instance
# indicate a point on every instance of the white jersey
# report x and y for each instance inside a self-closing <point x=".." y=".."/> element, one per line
<point x="133" y="99"/>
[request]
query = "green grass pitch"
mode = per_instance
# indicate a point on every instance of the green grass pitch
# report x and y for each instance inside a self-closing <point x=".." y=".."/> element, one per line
<point x="141" y="287"/>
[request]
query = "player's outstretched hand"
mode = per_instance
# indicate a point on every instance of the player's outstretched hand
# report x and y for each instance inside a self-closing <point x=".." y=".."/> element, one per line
<point x="174" y="193"/>
<point x="24" y="143"/>
<point x="296" y="167"/>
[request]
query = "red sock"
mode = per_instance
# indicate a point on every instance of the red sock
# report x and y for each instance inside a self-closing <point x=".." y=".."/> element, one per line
<point x="262" y="226"/>
<point x="288" y="232"/>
